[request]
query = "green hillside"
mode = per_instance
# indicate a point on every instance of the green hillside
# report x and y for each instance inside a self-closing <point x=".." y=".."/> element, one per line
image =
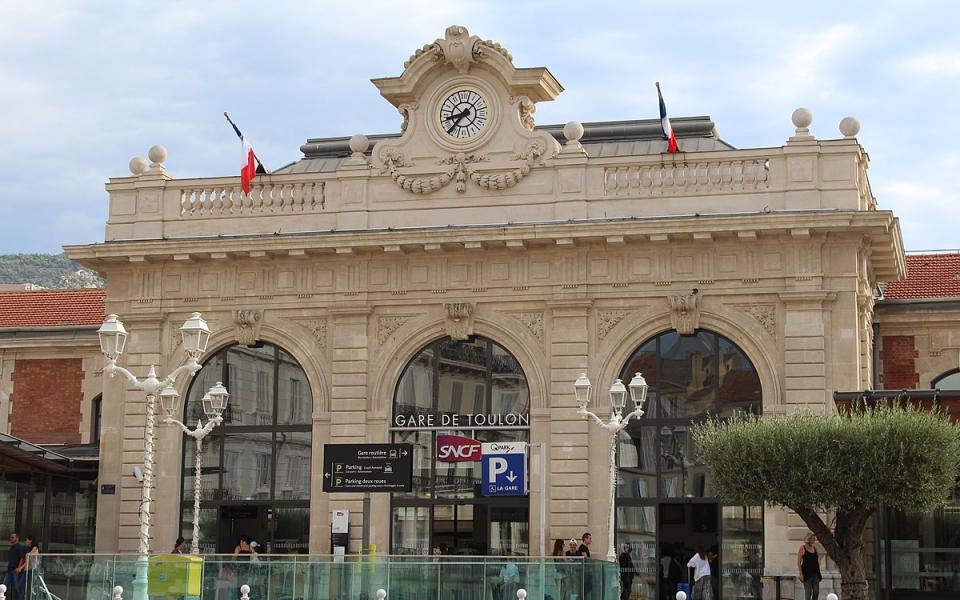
<point x="46" y="270"/>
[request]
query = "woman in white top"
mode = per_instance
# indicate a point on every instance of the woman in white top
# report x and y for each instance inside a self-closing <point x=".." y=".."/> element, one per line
<point x="702" y="588"/>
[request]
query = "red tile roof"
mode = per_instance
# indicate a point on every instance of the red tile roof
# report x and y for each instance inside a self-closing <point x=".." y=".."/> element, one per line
<point x="51" y="308"/>
<point x="928" y="276"/>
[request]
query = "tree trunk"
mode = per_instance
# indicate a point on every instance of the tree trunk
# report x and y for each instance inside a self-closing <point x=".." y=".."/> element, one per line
<point x="844" y="545"/>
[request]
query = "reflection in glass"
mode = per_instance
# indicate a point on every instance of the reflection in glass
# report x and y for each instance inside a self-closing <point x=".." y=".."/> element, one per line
<point x="247" y="468"/>
<point x="509" y="531"/>
<point x="739" y="382"/>
<point x="636" y="530"/>
<point x="637" y="457"/>
<point x="208" y="529"/>
<point x="422" y="460"/>
<point x="509" y="385"/>
<point x="742" y="552"/>
<point x="209" y="468"/>
<point x="415" y="390"/>
<point x="681" y="472"/>
<point x="291" y="535"/>
<point x="925" y="549"/>
<point x="293" y="465"/>
<point x="251" y="386"/>
<point x="687" y="385"/>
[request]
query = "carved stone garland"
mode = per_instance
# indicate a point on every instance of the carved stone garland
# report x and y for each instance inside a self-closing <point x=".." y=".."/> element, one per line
<point x="458" y="171"/>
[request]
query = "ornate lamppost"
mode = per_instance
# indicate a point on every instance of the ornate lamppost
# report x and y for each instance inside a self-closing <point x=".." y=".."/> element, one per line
<point x="618" y="398"/>
<point x="214" y="403"/>
<point x="113" y="336"/>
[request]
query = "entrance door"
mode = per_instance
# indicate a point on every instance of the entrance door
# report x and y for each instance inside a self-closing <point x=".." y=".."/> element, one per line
<point x="242" y="519"/>
<point x="685" y="528"/>
<point x="460" y="529"/>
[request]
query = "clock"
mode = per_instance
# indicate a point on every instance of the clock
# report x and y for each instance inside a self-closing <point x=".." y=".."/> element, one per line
<point x="463" y="114"/>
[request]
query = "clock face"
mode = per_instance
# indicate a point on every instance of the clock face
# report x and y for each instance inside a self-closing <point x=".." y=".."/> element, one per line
<point x="463" y="114"/>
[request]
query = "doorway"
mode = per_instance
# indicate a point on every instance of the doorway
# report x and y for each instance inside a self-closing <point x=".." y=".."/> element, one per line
<point x="684" y="528"/>
<point x="243" y="519"/>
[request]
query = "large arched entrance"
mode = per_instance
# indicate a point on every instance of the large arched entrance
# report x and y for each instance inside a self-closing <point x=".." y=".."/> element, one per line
<point x="452" y="396"/>
<point x="666" y="507"/>
<point x="256" y="465"/>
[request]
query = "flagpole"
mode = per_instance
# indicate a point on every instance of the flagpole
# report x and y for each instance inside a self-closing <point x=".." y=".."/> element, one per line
<point x="240" y="135"/>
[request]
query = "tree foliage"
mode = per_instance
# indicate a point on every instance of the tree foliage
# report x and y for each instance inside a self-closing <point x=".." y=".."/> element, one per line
<point x="900" y="456"/>
<point x="46" y="270"/>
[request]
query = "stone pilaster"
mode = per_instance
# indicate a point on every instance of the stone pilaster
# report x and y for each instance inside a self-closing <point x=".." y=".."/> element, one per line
<point x="807" y="318"/>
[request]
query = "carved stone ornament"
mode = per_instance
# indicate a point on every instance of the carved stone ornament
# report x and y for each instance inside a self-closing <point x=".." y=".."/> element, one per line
<point x="247" y="325"/>
<point x="526" y="108"/>
<point x="386" y="325"/>
<point x="765" y="314"/>
<point x="607" y="320"/>
<point x="685" y="312"/>
<point x="459" y="320"/>
<point x="318" y="329"/>
<point x="533" y="321"/>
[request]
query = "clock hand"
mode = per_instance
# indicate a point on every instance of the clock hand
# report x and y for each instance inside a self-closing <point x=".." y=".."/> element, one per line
<point x="456" y="119"/>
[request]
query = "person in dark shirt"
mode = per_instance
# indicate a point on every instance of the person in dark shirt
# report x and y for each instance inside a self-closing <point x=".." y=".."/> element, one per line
<point x="584" y="549"/>
<point x="13" y="580"/>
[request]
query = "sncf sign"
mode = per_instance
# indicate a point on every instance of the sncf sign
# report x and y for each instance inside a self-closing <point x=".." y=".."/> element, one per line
<point x="456" y="448"/>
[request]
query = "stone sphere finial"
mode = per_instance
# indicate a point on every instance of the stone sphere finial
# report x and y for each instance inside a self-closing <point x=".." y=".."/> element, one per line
<point x="573" y="131"/>
<point x="157" y="154"/>
<point x="118" y="593"/>
<point x="138" y="165"/>
<point x="359" y="143"/>
<point x="381" y="594"/>
<point x="802" y="118"/>
<point x="832" y="596"/>
<point x="521" y="594"/>
<point x="849" y="127"/>
<point x="681" y="595"/>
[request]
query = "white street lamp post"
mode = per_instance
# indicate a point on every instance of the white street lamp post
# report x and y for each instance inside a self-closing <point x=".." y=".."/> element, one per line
<point x="113" y="336"/>
<point x="618" y="397"/>
<point x="214" y="402"/>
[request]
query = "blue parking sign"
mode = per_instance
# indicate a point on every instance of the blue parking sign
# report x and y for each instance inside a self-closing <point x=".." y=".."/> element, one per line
<point x="504" y="469"/>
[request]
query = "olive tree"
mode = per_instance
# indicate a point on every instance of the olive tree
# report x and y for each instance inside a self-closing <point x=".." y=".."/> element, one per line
<point x="840" y="465"/>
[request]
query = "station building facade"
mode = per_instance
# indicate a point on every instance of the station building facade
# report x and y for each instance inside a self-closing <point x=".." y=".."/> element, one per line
<point x="455" y="279"/>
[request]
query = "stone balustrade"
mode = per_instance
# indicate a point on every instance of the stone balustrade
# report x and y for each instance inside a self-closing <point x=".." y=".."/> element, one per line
<point x="267" y="197"/>
<point x="689" y="178"/>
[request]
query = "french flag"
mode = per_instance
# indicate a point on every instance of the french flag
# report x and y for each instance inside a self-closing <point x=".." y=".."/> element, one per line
<point x="665" y="124"/>
<point x="248" y="160"/>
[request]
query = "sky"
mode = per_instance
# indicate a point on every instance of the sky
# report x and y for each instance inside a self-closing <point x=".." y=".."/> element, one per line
<point x="85" y="86"/>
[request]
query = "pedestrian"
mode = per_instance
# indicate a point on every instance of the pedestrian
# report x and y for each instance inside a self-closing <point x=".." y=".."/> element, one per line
<point x="702" y="585"/>
<point x="627" y="571"/>
<point x="808" y="564"/>
<point x="554" y="581"/>
<point x="572" y="547"/>
<point x="584" y="549"/>
<point x="28" y="565"/>
<point x="179" y="546"/>
<point x="13" y="577"/>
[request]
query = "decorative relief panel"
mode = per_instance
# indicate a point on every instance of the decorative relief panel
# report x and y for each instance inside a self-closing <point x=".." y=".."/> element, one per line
<point x="459" y="319"/>
<point x="685" y="312"/>
<point x="247" y="325"/>
<point x="386" y="325"/>
<point x="607" y="320"/>
<point x="318" y="329"/>
<point x="533" y="321"/>
<point x="765" y="314"/>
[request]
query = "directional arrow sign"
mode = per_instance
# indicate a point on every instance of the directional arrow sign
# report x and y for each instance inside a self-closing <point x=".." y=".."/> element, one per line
<point x="504" y="469"/>
<point x="367" y="467"/>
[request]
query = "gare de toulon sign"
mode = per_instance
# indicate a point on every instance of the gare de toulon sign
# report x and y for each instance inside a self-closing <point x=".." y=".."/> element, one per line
<point x="427" y="420"/>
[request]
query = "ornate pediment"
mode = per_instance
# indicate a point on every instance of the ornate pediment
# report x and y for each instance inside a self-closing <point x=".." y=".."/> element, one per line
<point x="467" y="118"/>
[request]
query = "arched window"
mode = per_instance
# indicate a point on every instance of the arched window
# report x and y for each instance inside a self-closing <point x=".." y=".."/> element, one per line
<point x="948" y="381"/>
<point x="452" y="396"/>
<point x="666" y="505"/>
<point x="256" y="465"/>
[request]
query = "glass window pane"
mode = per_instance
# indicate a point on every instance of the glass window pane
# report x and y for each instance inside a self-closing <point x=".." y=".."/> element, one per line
<point x="411" y="530"/>
<point x="210" y="374"/>
<point x="688" y="383"/>
<point x="292" y="531"/>
<point x="926" y="549"/>
<point x="251" y="385"/>
<point x="742" y="552"/>
<point x="948" y="382"/>
<point x="637" y="530"/>
<point x="422" y="460"/>
<point x="415" y="391"/>
<point x="681" y="472"/>
<point x="510" y="395"/>
<point x="636" y="453"/>
<point x="209" y="467"/>
<point x="293" y="465"/>
<point x="247" y="466"/>
<point x="463" y="366"/>
<point x="509" y="531"/>
<point x="294" y="402"/>
<point x="739" y="382"/>
<point x="208" y="529"/>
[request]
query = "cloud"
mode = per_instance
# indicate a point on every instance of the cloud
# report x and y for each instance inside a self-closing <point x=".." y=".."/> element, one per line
<point x="935" y="63"/>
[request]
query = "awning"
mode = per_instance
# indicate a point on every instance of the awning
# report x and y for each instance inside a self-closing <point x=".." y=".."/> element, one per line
<point x="20" y="456"/>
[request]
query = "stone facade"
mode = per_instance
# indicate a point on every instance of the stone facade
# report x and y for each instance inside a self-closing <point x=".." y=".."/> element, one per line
<point x="568" y="260"/>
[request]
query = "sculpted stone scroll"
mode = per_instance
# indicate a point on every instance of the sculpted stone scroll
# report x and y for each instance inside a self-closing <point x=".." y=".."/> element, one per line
<point x="685" y="312"/>
<point x="459" y="323"/>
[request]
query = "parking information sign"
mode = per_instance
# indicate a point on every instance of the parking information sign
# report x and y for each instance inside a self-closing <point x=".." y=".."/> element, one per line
<point x="504" y="469"/>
